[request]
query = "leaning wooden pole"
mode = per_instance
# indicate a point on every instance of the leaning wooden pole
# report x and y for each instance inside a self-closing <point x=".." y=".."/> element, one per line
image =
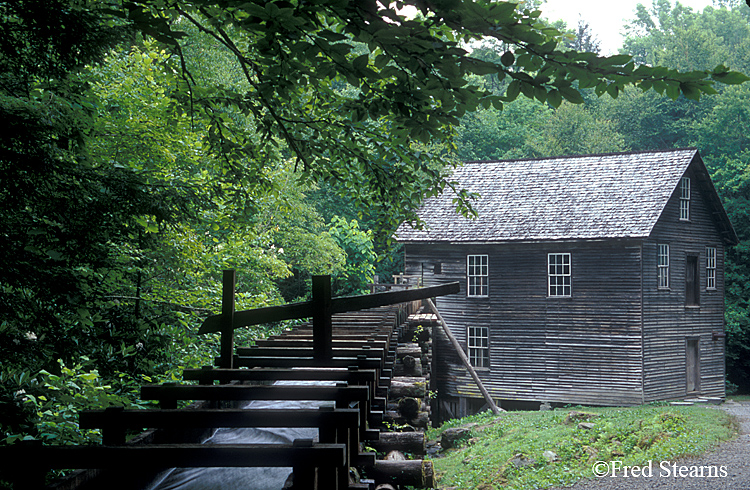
<point x="465" y="359"/>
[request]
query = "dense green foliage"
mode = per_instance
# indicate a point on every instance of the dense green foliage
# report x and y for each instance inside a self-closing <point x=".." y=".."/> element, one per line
<point x="150" y="144"/>
<point x="534" y="450"/>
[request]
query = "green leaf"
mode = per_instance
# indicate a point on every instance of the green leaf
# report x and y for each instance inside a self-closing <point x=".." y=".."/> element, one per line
<point x="691" y="91"/>
<point x="554" y="97"/>
<point x="508" y="58"/>
<point x="513" y="90"/>
<point x="673" y="91"/>
<point x="572" y="95"/>
<point x="360" y="63"/>
<point x="730" y="78"/>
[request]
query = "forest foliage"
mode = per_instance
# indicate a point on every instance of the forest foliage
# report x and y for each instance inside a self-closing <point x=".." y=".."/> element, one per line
<point x="150" y="144"/>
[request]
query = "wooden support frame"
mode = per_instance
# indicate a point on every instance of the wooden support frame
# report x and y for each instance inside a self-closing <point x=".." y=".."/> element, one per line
<point x="321" y="309"/>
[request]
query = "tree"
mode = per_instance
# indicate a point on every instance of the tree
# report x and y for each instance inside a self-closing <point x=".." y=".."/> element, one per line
<point x="584" y="39"/>
<point x="408" y="80"/>
<point x="574" y="130"/>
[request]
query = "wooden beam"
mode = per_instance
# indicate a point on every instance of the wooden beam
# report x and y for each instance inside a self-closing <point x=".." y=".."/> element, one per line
<point x="272" y="374"/>
<point x="338" y="305"/>
<point x="211" y="418"/>
<point x="307" y="352"/>
<point x="226" y="320"/>
<point x="308" y="362"/>
<point x="164" y="456"/>
<point x="322" y="324"/>
<point x="465" y="360"/>
<point x="241" y="392"/>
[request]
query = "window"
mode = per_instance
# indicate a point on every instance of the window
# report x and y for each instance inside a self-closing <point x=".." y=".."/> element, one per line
<point x="479" y="347"/>
<point x="692" y="283"/>
<point x="685" y="199"/>
<point x="710" y="267"/>
<point x="559" y="274"/>
<point x="663" y="266"/>
<point x="477" y="275"/>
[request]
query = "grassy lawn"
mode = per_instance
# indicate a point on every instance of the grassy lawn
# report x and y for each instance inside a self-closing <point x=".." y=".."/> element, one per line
<point x="531" y="450"/>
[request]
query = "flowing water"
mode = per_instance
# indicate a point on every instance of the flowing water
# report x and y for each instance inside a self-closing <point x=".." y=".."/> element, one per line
<point x="245" y="478"/>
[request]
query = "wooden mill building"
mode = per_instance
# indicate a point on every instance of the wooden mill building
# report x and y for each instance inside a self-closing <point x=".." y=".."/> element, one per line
<point x="594" y="279"/>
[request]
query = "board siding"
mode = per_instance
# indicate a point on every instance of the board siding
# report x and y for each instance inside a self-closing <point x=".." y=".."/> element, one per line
<point x="668" y="322"/>
<point x="582" y="349"/>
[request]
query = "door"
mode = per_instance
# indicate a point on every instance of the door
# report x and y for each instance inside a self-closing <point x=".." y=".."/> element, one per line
<point x="692" y="361"/>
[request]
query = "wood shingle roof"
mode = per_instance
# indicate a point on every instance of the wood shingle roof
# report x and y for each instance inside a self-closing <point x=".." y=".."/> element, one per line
<point x="618" y="195"/>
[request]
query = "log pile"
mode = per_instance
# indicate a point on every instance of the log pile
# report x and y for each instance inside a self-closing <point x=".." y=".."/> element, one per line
<point x="408" y="409"/>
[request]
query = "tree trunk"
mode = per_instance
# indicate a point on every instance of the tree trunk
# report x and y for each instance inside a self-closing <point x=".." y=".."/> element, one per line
<point x="402" y="387"/>
<point x="408" y="442"/>
<point x="415" y="472"/>
<point x="409" y="407"/>
<point x="409" y="366"/>
<point x="411" y="349"/>
<point x="395" y="456"/>
<point x="422" y="420"/>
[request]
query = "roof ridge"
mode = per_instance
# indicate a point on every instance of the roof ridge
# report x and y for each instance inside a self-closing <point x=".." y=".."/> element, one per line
<point x="588" y="155"/>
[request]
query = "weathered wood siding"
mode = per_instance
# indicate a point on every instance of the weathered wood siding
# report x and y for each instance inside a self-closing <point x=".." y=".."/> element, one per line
<point x="582" y="349"/>
<point x="668" y="322"/>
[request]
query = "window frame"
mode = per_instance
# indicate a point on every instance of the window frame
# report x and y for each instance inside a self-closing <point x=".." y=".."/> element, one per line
<point x="478" y="351"/>
<point x="482" y="288"/>
<point x="710" y="268"/>
<point x="662" y="269"/>
<point x="685" y="199"/>
<point x="565" y="277"/>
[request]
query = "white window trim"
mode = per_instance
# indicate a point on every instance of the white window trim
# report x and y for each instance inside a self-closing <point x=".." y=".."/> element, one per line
<point x="685" y="199"/>
<point x="559" y="276"/>
<point x="662" y="269"/>
<point x="710" y="268"/>
<point x="483" y="276"/>
<point x="475" y="351"/>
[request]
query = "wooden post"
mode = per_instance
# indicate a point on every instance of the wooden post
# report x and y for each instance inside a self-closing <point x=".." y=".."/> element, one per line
<point x="464" y="359"/>
<point x="322" y="323"/>
<point x="226" y="354"/>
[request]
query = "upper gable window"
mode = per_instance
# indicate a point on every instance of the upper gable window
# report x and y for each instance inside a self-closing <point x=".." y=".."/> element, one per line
<point x="477" y="275"/>
<point x="558" y="266"/>
<point x="710" y="267"/>
<point x="685" y="199"/>
<point x="663" y="266"/>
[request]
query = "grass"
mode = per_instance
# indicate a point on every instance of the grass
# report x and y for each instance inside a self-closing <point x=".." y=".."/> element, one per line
<point x="508" y="451"/>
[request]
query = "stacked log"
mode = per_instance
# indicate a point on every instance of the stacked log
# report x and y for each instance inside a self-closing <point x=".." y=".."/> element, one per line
<point x="408" y="407"/>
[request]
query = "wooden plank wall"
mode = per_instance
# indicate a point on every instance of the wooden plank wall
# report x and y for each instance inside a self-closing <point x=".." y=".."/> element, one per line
<point x="668" y="322"/>
<point x="583" y="349"/>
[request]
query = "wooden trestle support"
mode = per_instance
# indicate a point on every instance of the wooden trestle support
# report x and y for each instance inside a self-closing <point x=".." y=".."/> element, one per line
<point x="351" y="341"/>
